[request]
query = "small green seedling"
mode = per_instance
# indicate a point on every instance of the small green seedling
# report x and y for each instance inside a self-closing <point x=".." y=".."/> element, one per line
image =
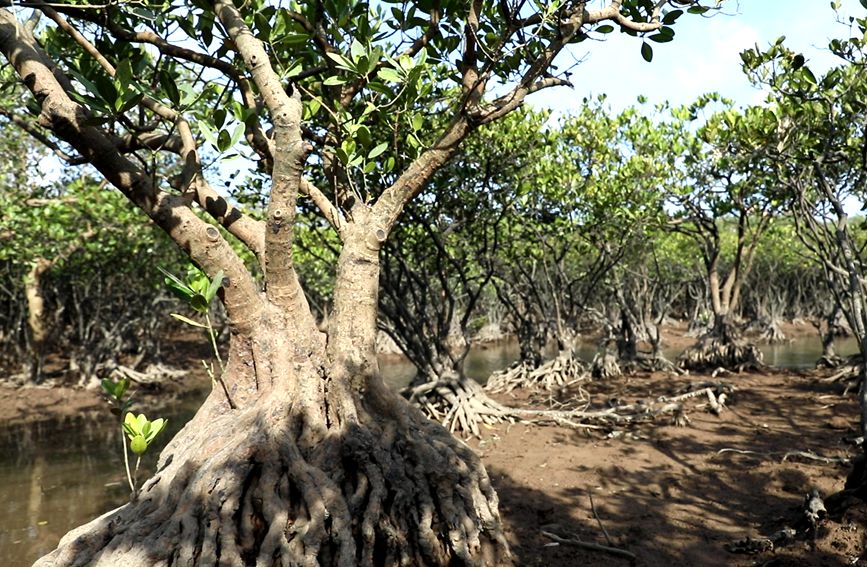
<point x="139" y="429"/>
<point x="141" y="433"/>
<point x="198" y="291"/>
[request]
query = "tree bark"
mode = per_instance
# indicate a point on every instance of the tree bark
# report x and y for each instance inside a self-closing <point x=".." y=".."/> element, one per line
<point x="319" y="464"/>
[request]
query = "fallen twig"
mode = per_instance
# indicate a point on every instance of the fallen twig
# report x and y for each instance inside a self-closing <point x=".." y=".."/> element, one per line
<point x="593" y="547"/>
<point x="810" y="455"/>
<point x="595" y="515"/>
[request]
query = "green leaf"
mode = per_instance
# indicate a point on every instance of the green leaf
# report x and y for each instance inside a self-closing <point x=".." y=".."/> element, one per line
<point x="108" y="387"/>
<point x="333" y="81"/>
<point x="178" y="287"/>
<point x="121" y="388"/>
<point x="167" y="82"/>
<point x="377" y="151"/>
<point x="183" y="319"/>
<point x="200" y="303"/>
<point x="670" y="17"/>
<point x="131" y="424"/>
<point x="157" y="427"/>
<point x="123" y="74"/>
<point x="389" y="75"/>
<point x="356" y="50"/>
<point x="660" y="38"/>
<point x="647" y="52"/>
<point x="341" y="61"/>
<point x="214" y="287"/>
<point x="606" y="28"/>
<point x="208" y="132"/>
<point x="224" y="140"/>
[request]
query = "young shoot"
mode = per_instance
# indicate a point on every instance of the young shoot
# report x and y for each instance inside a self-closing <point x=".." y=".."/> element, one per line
<point x="198" y="291"/>
<point x="139" y="429"/>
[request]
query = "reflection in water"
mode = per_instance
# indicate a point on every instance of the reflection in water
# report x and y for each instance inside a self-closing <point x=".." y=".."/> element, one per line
<point x="56" y="476"/>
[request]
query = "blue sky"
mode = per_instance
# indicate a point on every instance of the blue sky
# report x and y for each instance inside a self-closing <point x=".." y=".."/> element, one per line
<point x="704" y="56"/>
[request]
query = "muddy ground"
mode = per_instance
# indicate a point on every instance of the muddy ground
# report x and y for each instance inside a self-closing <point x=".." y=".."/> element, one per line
<point x="668" y="495"/>
<point x="678" y="495"/>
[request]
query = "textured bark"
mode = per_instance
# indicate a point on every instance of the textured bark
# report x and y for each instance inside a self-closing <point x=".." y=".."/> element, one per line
<point x="306" y="471"/>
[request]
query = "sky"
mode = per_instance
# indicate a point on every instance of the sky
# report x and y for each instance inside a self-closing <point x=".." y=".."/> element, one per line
<point x="704" y="56"/>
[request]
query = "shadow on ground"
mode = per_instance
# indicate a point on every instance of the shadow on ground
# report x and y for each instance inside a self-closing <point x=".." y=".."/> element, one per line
<point x="677" y="495"/>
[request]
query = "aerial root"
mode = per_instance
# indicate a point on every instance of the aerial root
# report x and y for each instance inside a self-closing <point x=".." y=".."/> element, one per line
<point x="558" y="372"/>
<point x="712" y="352"/>
<point x="605" y="366"/>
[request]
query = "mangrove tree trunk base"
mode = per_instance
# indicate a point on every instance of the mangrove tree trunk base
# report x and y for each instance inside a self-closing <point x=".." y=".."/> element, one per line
<point x="605" y="366"/>
<point x="712" y="352"/>
<point x="558" y="372"/>
<point x="650" y="363"/>
<point x="269" y="485"/>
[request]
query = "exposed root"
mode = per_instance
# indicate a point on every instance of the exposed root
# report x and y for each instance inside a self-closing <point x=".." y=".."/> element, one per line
<point x="713" y="352"/>
<point x="772" y="333"/>
<point x="830" y="361"/>
<point x="461" y="405"/>
<point x="605" y="366"/>
<point x="153" y="374"/>
<point x="847" y="370"/>
<point x="558" y="372"/>
<point x="273" y="485"/>
<point x="650" y="363"/>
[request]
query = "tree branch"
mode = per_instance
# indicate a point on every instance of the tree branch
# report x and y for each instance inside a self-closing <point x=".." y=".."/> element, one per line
<point x="290" y="153"/>
<point x="232" y="219"/>
<point x="71" y="123"/>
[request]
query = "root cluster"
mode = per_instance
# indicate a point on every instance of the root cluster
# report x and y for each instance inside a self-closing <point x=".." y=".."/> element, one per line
<point x="558" y="372"/>
<point x="712" y="352"/>
<point x="462" y="405"/>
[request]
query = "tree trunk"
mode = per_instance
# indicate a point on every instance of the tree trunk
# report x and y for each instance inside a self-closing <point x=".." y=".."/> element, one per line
<point x="721" y="347"/>
<point x="320" y="464"/>
<point x="36" y="323"/>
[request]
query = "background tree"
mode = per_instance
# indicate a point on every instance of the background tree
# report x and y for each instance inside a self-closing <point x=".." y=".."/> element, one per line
<point x="819" y="140"/>
<point x="308" y="459"/>
<point x="590" y="199"/>
<point x="76" y="275"/>
<point x="727" y="181"/>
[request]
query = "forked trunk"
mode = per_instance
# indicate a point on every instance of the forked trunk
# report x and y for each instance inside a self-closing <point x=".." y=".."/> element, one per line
<point x="320" y="464"/>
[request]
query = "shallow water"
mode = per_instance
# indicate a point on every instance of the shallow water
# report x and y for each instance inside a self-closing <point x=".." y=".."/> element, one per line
<point x="56" y="476"/>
